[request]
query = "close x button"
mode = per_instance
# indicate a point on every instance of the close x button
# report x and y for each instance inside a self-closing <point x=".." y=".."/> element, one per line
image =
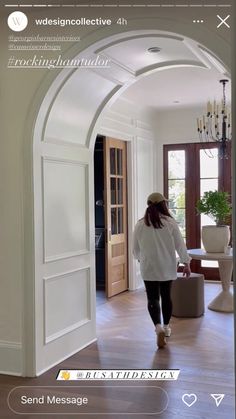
<point x="223" y="21"/>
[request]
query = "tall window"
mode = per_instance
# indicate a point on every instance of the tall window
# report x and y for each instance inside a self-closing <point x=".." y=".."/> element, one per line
<point x="209" y="181"/>
<point x="177" y="187"/>
<point x="189" y="171"/>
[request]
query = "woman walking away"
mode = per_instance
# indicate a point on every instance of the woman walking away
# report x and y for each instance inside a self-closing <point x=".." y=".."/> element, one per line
<point x="155" y="240"/>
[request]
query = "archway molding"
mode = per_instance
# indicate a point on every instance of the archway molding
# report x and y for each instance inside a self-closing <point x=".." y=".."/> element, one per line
<point x="45" y="145"/>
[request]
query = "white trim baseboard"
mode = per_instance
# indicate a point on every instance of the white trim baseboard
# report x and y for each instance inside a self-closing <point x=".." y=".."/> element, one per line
<point x="65" y="357"/>
<point x="10" y="358"/>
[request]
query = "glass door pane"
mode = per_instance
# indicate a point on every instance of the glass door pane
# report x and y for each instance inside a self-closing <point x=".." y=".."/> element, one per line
<point x="208" y="185"/>
<point x="113" y="161"/>
<point x="113" y="221"/>
<point x="119" y="161"/>
<point x="209" y="163"/>
<point x="209" y="180"/>
<point x="176" y="164"/>
<point x="177" y="187"/>
<point x="117" y="190"/>
<point x="120" y="221"/>
<point x="113" y="190"/>
<point x="120" y="190"/>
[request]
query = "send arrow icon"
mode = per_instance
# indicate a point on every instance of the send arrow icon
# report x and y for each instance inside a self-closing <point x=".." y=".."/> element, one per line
<point x="218" y="398"/>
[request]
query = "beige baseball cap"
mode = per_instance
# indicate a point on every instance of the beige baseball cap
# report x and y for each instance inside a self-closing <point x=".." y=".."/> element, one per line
<point x="156" y="197"/>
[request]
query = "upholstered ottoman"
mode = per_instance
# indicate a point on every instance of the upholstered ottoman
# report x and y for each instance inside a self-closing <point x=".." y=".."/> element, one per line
<point x="188" y="296"/>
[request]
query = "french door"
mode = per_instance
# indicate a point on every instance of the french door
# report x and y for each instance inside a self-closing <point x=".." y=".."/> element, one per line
<point x="189" y="171"/>
<point x="115" y="216"/>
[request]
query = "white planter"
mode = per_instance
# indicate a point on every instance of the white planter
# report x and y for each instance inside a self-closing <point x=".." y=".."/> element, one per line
<point x="215" y="238"/>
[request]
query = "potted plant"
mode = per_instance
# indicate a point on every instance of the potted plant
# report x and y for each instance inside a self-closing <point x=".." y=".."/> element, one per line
<point x="215" y="204"/>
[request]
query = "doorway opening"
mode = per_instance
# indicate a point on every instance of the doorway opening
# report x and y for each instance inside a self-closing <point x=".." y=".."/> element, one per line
<point x="197" y="164"/>
<point x="111" y="237"/>
<point x="99" y="219"/>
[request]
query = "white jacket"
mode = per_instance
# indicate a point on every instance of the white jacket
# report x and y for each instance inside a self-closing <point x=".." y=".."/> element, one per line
<point x="155" y="249"/>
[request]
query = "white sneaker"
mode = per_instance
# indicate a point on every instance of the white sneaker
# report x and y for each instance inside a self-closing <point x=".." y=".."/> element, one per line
<point x="161" y="340"/>
<point x="167" y="331"/>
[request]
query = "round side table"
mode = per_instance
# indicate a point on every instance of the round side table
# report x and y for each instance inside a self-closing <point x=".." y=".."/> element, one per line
<point x="224" y="300"/>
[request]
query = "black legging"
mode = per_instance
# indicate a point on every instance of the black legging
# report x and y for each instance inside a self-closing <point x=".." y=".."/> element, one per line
<point x="154" y="290"/>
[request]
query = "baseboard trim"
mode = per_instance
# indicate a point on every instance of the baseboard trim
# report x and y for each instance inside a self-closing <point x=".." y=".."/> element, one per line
<point x="65" y="357"/>
<point x="212" y="281"/>
<point x="10" y="358"/>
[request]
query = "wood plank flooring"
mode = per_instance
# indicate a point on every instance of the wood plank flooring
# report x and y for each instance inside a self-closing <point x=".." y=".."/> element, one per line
<point x="201" y="348"/>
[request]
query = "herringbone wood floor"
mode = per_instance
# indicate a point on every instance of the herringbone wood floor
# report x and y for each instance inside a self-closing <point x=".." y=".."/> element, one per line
<point x="201" y="348"/>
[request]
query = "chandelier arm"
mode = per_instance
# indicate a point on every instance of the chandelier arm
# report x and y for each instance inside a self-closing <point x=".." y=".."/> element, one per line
<point x="217" y="127"/>
<point x="208" y="153"/>
<point x="211" y="134"/>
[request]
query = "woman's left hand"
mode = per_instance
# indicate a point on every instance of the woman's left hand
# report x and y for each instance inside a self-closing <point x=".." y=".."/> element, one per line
<point x="187" y="271"/>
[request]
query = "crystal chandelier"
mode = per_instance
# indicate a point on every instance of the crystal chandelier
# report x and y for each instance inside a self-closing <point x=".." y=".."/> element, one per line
<point x="216" y="124"/>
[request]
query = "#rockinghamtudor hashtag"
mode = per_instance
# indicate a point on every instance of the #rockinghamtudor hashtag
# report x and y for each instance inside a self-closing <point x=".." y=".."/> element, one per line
<point x="59" y="62"/>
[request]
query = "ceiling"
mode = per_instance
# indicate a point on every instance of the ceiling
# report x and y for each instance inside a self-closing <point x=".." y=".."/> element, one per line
<point x="189" y="86"/>
<point x="183" y="71"/>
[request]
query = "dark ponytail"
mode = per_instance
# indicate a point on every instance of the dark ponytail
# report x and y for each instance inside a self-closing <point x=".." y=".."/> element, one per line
<point x="154" y="212"/>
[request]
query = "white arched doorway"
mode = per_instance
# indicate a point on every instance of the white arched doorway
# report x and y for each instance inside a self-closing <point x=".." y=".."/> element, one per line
<point x="69" y="119"/>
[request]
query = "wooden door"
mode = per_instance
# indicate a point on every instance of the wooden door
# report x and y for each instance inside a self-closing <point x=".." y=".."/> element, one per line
<point x="189" y="171"/>
<point x="115" y="189"/>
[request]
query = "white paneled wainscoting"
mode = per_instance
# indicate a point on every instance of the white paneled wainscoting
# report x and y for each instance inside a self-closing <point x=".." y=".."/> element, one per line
<point x="65" y="291"/>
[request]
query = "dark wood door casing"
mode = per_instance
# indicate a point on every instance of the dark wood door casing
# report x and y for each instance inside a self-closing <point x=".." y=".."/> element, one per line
<point x="192" y="179"/>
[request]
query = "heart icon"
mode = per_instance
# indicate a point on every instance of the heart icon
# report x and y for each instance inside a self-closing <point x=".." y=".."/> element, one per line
<point x="189" y="399"/>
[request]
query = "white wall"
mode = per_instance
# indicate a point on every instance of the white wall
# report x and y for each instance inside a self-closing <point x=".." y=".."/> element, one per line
<point x="126" y="121"/>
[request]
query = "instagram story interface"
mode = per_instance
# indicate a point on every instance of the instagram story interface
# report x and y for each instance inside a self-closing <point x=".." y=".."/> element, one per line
<point x="116" y="209"/>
